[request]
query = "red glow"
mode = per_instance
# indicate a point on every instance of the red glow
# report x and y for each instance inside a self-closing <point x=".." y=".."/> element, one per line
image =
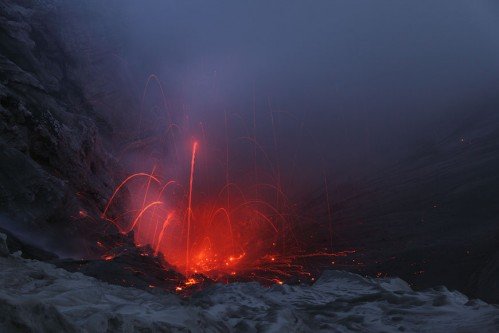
<point x="189" y="208"/>
<point x="108" y="257"/>
<point x="206" y="220"/>
<point x="205" y="230"/>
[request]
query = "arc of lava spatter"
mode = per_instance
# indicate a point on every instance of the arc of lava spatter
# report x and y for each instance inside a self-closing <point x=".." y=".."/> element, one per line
<point x="123" y="183"/>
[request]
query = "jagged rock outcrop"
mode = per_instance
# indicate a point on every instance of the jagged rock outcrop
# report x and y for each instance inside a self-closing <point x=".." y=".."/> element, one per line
<point x="55" y="173"/>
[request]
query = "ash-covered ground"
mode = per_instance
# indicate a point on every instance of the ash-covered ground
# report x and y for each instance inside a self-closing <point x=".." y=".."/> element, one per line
<point x="38" y="297"/>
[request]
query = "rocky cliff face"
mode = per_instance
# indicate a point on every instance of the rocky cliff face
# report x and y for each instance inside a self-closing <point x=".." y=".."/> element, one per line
<point x="54" y="173"/>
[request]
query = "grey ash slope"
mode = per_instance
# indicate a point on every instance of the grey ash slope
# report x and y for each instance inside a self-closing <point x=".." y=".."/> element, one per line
<point x="37" y="297"/>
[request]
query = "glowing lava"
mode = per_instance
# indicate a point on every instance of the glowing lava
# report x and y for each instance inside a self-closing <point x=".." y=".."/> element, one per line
<point x="205" y="230"/>
<point x="207" y="221"/>
<point x="189" y="207"/>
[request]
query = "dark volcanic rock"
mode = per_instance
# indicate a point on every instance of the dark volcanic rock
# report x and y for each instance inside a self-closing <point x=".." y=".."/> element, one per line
<point x="125" y="264"/>
<point x="129" y="266"/>
<point x="55" y="173"/>
<point x="430" y="218"/>
<point x="4" y="249"/>
<point x="485" y="282"/>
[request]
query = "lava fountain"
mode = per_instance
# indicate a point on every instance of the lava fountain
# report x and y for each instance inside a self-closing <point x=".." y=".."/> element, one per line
<point x="210" y="238"/>
<point x="204" y="222"/>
